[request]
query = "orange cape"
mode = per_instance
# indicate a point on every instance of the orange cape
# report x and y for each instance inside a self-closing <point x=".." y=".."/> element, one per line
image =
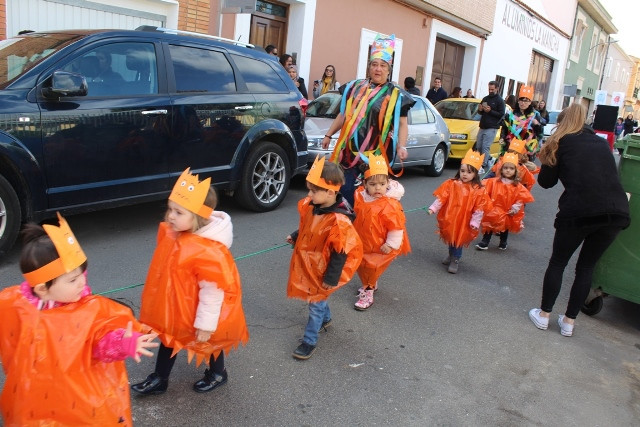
<point x="459" y="202"/>
<point x="503" y="197"/>
<point x="170" y="294"/>
<point x="318" y="235"/>
<point x="51" y="377"/>
<point x="374" y="220"/>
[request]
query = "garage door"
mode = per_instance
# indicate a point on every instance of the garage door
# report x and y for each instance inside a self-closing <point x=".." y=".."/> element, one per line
<point x="47" y="15"/>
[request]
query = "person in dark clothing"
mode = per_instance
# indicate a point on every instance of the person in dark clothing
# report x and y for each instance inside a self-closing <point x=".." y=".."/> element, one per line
<point x="436" y="93"/>
<point x="410" y="86"/>
<point x="469" y="94"/>
<point x="629" y="124"/>
<point x="327" y="249"/>
<point x="492" y="112"/>
<point x="271" y="50"/>
<point x="591" y="211"/>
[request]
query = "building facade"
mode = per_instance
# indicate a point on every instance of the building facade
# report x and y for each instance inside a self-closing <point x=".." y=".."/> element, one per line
<point x="615" y="79"/>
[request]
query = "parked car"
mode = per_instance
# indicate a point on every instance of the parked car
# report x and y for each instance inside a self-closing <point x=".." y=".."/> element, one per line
<point x="462" y="117"/>
<point x="427" y="143"/>
<point x="553" y="121"/>
<point x="103" y="118"/>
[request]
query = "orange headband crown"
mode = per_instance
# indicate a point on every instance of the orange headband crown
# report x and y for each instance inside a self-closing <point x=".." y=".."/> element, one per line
<point x="517" y="145"/>
<point x="526" y="92"/>
<point x="377" y="166"/>
<point x="315" y="175"/>
<point x="510" y="158"/>
<point x="191" y="194"/>
<point x="70" y="254"/>
<point x="473" y="158"/>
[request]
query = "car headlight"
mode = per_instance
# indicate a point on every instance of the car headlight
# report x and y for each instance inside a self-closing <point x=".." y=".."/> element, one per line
<point x="317" y="143"/>
<point x="458" y="136"/>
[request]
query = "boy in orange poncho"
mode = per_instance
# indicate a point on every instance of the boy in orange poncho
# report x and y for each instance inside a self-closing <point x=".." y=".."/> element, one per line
<point x="460" y="203"/>
<point x="508" y="197"/>
<point x="62" y="348"/>
<point x="327" y="249"/>
<point x="380" y="223"/>
<point x="192" y="295"/>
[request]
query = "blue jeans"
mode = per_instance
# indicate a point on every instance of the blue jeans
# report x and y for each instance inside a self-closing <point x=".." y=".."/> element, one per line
<point x="483" y="143"/>
<point x="455" y="252"/>
<point x="348" y="188"/>
<point x="318" y="314"/>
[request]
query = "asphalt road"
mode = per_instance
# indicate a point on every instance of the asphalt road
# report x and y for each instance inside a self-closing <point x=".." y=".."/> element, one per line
<point x="434" y="349"/>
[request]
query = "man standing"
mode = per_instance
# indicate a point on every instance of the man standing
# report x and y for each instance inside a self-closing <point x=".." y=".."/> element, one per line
<point x="492" y="113"/>
<point x="410" y="86"/>
<point x="436" y="93"/>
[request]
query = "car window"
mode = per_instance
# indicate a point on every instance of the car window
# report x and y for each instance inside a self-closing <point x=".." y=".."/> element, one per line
<point x="458" y="110"/>
<point x="553" y="117"/>
<point x="201" y="70"/>
<point x="327" y="106"/>
<point x="431" y="118"/>
<point x="418" y="113"/>
<point x="118" y="69"/>
<point x="259" y="75"/>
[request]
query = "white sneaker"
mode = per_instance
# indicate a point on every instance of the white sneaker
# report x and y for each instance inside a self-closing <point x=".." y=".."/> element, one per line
<point x="539" y="321"/>
<point x="566" y="329"/>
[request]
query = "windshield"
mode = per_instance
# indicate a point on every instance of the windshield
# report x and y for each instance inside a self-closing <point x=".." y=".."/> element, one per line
<point x="19" y="54"/>
<point x="458" y="110"/>
<point x="553" y="117"/>
<point x="327" y="105"/>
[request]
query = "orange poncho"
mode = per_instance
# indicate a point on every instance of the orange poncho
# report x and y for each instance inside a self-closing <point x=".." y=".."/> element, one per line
<point x="51" y="377"/>
<point x="374" y="220"/>
<point x="459" y="202"/>
<point x="503" y="197"/>
<point x="318" y="235"/>
<point x="170" y="294"/>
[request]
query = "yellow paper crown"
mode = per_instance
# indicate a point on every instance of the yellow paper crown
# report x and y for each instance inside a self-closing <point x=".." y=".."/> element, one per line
<point x="191" y="194"/>
<point x="473" y="158"/>
<point x="510" y="158"/>
<point x="315" y="175"/>
<point x="382" y="48"/>
<point x="517" y="145"/>
<point x="526" y="92"/>
<point x="70" y="254"/>
<point x="377" y="166"/>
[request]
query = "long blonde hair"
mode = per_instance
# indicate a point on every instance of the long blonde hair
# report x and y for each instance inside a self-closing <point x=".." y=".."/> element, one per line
<point x="570" y="120"/>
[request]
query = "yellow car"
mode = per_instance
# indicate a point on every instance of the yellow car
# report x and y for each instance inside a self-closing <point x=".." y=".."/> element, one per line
<point x="462" y="118"/>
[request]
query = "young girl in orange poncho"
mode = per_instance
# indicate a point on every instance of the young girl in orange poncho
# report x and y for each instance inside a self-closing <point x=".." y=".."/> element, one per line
<point x="508" y="197"/>
<point x="62" y="348"/>
<point x="380" y="222"/>
<point x="460" y="203"/>
<point x="192" y="295"/>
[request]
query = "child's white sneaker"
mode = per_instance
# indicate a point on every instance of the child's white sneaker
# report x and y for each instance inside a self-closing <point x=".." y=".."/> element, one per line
<point x="566" y="329"/>
<point x="365" y="300"/>
<point x="539" y="321"/>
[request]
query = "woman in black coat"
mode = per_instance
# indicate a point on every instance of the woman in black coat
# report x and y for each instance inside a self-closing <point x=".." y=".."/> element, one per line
<point x="629" y="124"/>
<point x="591" y="211"/>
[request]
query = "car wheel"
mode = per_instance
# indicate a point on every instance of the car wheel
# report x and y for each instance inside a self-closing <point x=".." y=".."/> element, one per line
<point x="593" y="307"/>
<point x="10" y="215"/>
<point x="437" y="161"/>
<point x="265" y="178"/>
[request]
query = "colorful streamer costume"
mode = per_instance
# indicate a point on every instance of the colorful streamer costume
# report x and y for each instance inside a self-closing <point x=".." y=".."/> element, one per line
<point x="374" y="219"/>
<point x="504" y="195"/>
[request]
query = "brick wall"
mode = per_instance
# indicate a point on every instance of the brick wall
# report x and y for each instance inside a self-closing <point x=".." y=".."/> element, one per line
<point x="3" y="19"/>
<point x="193" y="15"/>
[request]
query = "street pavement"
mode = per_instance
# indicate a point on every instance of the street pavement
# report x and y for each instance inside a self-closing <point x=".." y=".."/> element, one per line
<point x="434" y="349"/>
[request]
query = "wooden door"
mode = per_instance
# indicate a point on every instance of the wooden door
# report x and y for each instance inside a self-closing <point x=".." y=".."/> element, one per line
<point x="265" y="31"/>
<point x="448" y="59"/>
<point x="540" y="75"/>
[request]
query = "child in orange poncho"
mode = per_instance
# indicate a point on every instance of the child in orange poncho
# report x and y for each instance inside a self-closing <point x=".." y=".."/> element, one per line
<point x="380" y="223"/>
<point x="460" y="203"/>
<point x="62" y="348"/>
<point x="508" y="197"/>
<point x="192" y="295"/>
<point x="526" y="168"/>
<point x="327" y="249"/>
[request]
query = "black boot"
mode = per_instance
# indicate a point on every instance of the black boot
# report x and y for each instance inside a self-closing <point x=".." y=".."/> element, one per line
<point x="152" y="385"/>
<point x="210" y="381"/>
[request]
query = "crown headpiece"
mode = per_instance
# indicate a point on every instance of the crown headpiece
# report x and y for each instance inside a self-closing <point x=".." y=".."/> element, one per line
<point x="70" y="254"/>
<point x="191" y="194"/>
<point x="510" y="158"/>
<point x="315" y="175"/>
<point x="526" y="92"/>
<point x="377" y="166"/>
<point x="382" y="48"/>
<point x="473" y="158"/>
<point x="517" y="145"/>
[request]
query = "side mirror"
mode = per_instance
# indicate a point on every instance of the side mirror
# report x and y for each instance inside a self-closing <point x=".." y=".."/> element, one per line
<point x="64" y="83"/>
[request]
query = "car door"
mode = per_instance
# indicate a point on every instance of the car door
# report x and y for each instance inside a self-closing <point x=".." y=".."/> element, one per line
<point x="423" y="133"/>
<point x="211" y="111"/>
<point x="111" y="144"/>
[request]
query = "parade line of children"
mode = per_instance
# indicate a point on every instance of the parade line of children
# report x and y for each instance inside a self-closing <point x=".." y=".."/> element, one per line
<point x="192" y="297"/>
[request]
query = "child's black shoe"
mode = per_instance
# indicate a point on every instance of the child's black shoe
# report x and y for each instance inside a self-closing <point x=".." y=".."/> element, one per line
<point x="304" y="351"/>
<point x="502" y="246"/>
<point x="482" y="245"/>
<point x="210" y="381"/>
<point x="152" y="385"/>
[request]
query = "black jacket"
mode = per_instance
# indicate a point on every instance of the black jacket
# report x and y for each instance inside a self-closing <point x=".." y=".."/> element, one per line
<point x="592" y="194"/>
<point x="434" y="95"/>
<point x="492" y="119"/>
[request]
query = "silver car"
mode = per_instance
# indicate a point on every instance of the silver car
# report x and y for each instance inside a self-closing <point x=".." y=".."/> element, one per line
<point x="427" y="145"/>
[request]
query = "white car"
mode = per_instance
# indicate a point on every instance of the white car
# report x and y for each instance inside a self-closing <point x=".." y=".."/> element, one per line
<point x="553" y="121"/>
<point x="428" y="143"/>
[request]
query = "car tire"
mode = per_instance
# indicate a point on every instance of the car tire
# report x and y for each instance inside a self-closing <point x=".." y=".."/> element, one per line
<point x="265" y="178"/>
<point x="10" y="215"/>
<point x="593" y="307"/>
<point x="437" y="161"/>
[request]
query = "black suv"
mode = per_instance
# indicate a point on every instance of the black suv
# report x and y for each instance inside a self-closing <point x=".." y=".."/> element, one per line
<point x="97" y="119"/>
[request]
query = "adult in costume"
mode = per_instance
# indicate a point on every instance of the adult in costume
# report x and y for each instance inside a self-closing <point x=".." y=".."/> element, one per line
<point x="523" y="123"/>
